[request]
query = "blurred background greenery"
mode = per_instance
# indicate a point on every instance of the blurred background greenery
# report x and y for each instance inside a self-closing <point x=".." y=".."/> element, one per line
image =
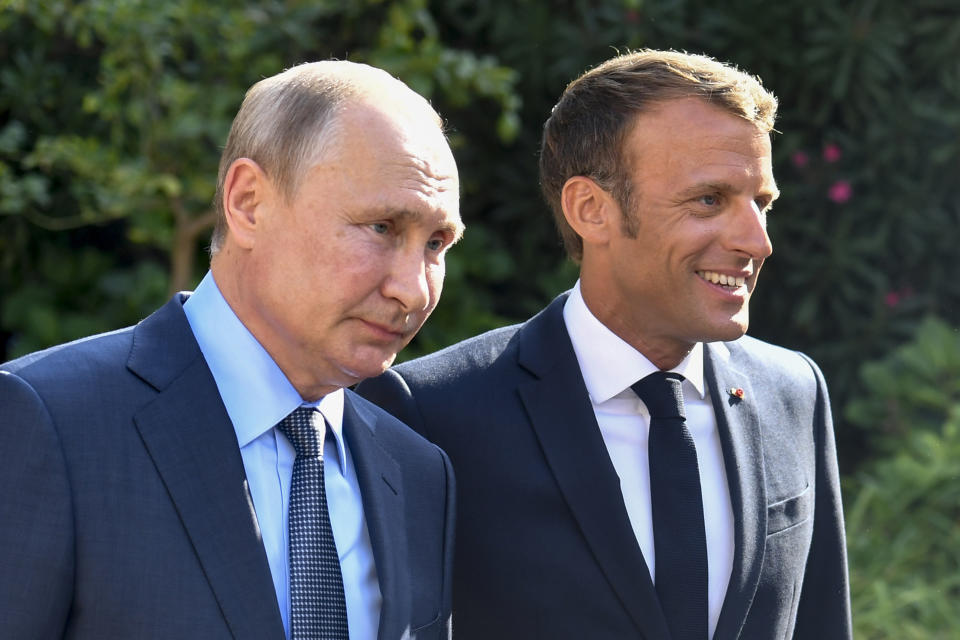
<point x="113" y="112"/>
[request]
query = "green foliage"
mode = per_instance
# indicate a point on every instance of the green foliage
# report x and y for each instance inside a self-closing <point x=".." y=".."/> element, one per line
<point x="112" y="115"/>
<point x="903" y="536"/>
<point x="864" y="234"/>
<point x="914" y="387"/>
<point x="903" y="510"/>
<point x="60" y="309"/>
<point x="547" y="44"/>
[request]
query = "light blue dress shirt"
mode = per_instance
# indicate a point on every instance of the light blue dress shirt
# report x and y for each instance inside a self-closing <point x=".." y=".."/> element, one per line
<point x="257" y="396"/>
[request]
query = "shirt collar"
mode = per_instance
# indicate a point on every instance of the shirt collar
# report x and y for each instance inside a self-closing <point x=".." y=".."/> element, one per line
<point x="254" y="390"/>
<point x="330" y="407"/>
<point x="609" y="365"/>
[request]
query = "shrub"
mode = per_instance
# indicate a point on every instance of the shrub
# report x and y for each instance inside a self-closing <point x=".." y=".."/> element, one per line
<point x="903" y="510"/>
<point x="903" y="536"/>
<point x="914" y="387"/>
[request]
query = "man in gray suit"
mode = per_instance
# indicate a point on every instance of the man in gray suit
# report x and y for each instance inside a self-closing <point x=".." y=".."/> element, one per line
<point x="572" y="522"/>
<point x="205" y="474"/>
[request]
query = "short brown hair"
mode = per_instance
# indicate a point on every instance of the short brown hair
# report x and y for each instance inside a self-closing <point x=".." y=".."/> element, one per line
<point x="288" y="121"/>
<point x="586" y="129"/>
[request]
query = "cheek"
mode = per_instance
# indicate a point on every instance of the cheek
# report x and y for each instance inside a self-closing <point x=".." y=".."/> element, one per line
<point x="356" y="260"/>
<point x="685" y="252"/>
<point x="435" y="275"/>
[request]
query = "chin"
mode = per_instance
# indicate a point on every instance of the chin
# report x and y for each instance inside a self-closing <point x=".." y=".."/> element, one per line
<point x="369" y="368"/>
<point x="733" y="331"/>
<point x="726" y="330"/>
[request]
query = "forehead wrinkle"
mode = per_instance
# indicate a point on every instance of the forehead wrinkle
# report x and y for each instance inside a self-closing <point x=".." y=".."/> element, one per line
<point x="738" y="161"/>
<point x="421" y="176"/>
<point x="735" y="140"/>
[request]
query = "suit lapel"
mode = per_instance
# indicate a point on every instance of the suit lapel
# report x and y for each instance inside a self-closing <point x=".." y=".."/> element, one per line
<point x="738" y="423"/>
<point x="381" y="487"/>
<point x="563" y="419"/>
<point x="191" y="440"/>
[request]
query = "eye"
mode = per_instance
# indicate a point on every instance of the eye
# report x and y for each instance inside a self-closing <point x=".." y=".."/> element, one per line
<point x="435" y="244"/>
<point x="380" y="228"/>
<point x="710" y="199"/>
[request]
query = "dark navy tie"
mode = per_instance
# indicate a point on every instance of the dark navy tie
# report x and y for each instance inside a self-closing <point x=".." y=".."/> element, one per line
<point x="680" y="542"/>
<point x="318" y="608"/>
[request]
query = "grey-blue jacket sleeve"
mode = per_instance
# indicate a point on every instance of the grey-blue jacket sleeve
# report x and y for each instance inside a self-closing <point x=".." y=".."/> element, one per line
<point x="36" y="523"/>
<point x="824" y="608"/>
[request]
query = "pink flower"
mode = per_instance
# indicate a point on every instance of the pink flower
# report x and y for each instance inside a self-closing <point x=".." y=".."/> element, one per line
<point x="893" y="298"/>
<point x="800" y="159"/>
<point x="840" y="191"/>
<point x="831" y="153"/>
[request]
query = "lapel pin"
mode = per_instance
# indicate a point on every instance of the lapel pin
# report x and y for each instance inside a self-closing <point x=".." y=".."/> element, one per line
<point x="736" y="392"/>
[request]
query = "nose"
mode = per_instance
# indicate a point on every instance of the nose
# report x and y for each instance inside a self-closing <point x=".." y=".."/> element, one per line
<point x="408" y="281"/>
<point x="749" y="235"/>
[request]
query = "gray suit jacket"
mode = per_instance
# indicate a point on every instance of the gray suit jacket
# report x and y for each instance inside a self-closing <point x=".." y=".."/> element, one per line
<point x="544" y="544"/>
<point x="124" y="509"/>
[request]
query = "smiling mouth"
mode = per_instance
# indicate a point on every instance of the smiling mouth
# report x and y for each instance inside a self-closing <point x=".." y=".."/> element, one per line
<point x="731" y="282"/>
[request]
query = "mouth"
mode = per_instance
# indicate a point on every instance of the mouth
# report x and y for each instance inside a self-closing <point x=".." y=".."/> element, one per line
<point x="383" y="328"/>
<point x="389" y="331"/>
<point x="728" y="282"/>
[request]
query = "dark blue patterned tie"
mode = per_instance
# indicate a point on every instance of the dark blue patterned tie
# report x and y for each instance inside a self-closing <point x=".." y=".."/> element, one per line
<point x="318" y="610"/>
<point x="680" y="542"/>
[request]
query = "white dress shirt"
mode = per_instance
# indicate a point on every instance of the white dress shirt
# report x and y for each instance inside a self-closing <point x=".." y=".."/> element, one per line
<point x="609" y="366"/>
<point x="257" y="396"/>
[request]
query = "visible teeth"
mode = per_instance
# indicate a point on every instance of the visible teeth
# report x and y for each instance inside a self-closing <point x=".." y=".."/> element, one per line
<point x="723" y="279"/>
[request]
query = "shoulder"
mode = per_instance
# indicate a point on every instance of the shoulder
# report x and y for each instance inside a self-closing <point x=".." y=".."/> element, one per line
<point x="74" y="388"/>
<point x="496" y="352"/>
<point x="469" y="357"/>
<point x="74" y="361"/>
<point x="771" y="365"/>
<point x="392" y="433"/>
<point x="155" y="349"/>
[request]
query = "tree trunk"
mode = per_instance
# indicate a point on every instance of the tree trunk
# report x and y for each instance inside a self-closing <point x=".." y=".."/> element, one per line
<point x="184" y="248"/>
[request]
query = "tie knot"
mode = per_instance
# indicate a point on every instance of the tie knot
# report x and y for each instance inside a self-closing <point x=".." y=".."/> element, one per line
<point x="662" y="394"/>
<point x="305" y="430"/>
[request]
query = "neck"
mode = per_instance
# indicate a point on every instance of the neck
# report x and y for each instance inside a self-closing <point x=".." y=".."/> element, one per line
<point x="665" y="353"/>
<point x="229" y="274"/>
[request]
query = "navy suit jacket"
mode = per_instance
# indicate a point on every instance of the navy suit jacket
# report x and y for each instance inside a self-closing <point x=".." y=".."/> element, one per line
<point x="544" y="544"/>
<point x="125" y="513"/>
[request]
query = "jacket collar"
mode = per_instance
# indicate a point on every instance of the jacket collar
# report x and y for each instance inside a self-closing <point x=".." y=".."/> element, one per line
<point x="191" y="441"/>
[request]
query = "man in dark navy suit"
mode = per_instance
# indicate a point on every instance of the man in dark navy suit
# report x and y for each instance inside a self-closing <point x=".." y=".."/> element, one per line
<point x="147" y="480"/>
<point x="572" y="522"/>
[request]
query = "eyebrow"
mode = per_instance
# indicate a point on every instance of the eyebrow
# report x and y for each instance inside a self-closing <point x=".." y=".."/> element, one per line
<point x="774" y="193"/>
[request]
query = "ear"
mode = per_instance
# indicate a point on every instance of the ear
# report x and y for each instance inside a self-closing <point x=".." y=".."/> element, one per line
<point x="590" y="210"/>
<point x="246" y="190"/>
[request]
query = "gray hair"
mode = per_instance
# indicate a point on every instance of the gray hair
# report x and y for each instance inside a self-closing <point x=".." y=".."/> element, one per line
<point x="288" y="122"/>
